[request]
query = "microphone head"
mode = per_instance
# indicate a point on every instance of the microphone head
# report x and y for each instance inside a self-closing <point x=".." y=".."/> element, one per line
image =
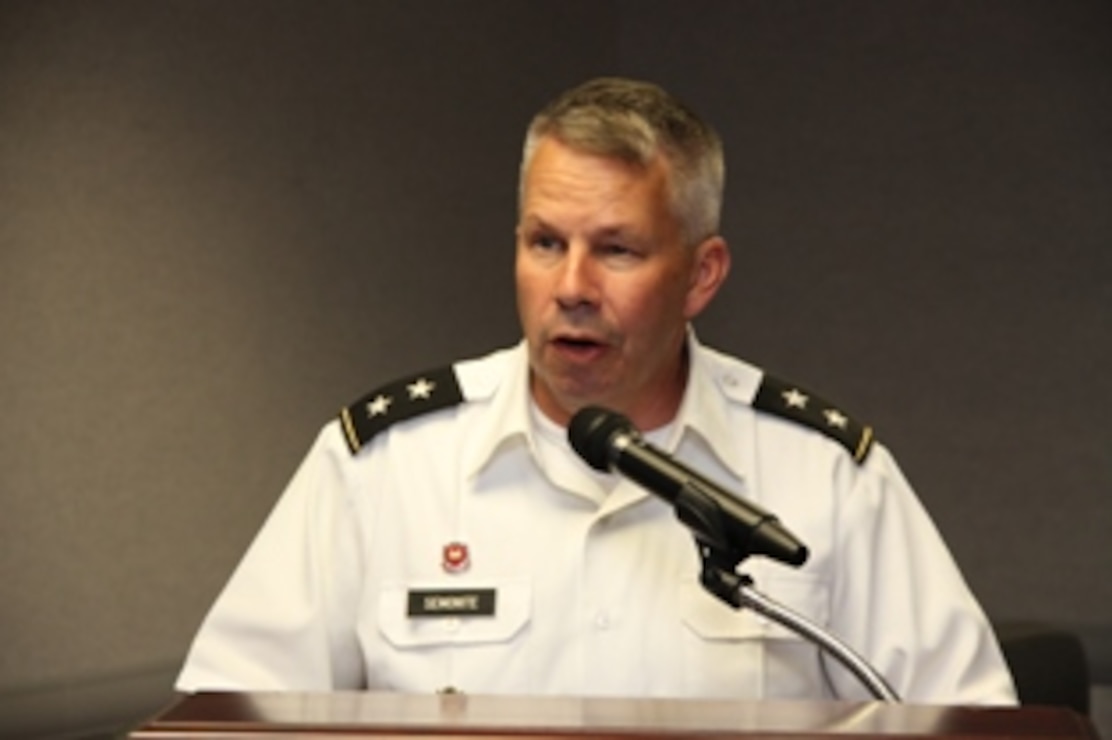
<point x="591" y="431"/>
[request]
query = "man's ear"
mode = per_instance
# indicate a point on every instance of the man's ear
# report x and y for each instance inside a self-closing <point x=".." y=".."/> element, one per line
<point x="709" y="269"/>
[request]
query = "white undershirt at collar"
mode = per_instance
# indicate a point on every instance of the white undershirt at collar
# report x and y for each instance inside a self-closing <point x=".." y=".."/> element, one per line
<point x="564" y="467"/>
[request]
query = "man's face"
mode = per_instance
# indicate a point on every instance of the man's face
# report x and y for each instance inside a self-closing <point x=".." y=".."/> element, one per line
<point x="605" y="285"/>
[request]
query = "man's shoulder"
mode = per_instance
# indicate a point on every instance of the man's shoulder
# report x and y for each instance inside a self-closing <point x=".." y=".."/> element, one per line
<point x="422" y="395"/>
<point x="787" y="400"/>
<point x="775" y="397"/>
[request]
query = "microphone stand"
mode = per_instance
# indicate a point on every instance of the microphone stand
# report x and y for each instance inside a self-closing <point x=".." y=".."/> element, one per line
<point x="737" y="591"/>
<point x="721" y="554"/>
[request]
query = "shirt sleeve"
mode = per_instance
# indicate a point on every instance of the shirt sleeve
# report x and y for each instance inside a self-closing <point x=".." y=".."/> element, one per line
<point x="901" y="601"/>
<point x="285" y="619"/>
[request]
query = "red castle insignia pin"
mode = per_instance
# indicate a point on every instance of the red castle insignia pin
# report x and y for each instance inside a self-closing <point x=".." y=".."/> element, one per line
<point x="456" y="558"/>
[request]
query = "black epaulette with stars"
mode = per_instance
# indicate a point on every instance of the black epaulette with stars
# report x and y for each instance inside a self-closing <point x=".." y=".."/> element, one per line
<point x="398" y="401"/>
<point x="790" y="401"/>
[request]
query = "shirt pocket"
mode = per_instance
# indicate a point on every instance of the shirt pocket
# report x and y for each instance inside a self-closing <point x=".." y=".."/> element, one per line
<point x="711" y="619"/>
<point x="512" y="611"/>
<point x="740" y="653"/>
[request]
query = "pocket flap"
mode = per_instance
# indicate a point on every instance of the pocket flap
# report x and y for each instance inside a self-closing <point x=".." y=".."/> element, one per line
<point x="712" y="619"/>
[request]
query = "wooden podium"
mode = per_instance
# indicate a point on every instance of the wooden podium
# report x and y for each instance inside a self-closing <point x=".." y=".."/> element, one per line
<point x="342" y="715"/>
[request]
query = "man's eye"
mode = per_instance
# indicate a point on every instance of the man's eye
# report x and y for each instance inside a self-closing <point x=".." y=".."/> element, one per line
<point x="545" y="242"/>
<point x="618" y="250"/>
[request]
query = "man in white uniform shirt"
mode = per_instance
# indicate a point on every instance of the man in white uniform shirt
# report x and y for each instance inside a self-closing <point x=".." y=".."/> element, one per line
<point x="442" y="535"/>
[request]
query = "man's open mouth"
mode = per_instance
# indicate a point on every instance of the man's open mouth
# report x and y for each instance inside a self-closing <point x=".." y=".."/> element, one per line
<point x="578" y="348"/>
<point x="577" y="343"/>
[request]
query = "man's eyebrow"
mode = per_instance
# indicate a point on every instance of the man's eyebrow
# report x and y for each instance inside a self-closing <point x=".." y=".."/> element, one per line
<point x="533" y="222"/>
<point x="610" y="232"/>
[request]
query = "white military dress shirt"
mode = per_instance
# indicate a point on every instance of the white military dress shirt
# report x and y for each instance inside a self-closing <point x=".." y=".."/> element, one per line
<point x="582" y="584"/>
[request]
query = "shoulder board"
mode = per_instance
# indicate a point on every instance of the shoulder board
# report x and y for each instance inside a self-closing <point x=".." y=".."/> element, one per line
<point x="780" y="398"/>
<point x="403" y="399"/>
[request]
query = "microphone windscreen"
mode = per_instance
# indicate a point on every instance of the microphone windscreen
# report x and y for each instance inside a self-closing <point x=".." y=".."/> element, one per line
<point x="590" y="433"/>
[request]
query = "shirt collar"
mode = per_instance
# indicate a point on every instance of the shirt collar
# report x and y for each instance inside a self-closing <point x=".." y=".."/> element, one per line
<point x="506" y="426"/>
<point x="714" y="381"/>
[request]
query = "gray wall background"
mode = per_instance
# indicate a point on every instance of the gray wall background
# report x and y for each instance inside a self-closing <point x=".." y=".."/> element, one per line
<point x="221" y="221"/>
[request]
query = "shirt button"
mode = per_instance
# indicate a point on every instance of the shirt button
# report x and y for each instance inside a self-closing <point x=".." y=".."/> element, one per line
<point x="602" y="621"/>
<point x="451" y="625"/>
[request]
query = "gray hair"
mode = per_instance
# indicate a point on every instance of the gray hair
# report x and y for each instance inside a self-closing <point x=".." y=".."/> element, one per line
<point x="635" y="121"/>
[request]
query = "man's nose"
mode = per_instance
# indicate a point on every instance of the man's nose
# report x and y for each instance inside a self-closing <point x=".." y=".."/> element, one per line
<point x="577" y="281"/>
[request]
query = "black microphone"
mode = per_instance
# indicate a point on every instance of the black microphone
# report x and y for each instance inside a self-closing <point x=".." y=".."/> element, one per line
<point x="607" y="440"/>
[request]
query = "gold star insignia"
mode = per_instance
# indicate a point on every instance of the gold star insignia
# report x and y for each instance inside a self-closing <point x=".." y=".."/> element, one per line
<point x="379" y="406"/>
<point x="794" y="399"/>
<point x="835" y="418"/>
<point x="422" y="388"/>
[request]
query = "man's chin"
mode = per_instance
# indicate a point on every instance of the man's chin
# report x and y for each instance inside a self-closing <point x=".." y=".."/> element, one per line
<point x="560" y="397"/>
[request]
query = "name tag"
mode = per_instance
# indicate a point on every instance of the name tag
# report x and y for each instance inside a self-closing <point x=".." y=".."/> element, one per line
<point x="452" y="602"/>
